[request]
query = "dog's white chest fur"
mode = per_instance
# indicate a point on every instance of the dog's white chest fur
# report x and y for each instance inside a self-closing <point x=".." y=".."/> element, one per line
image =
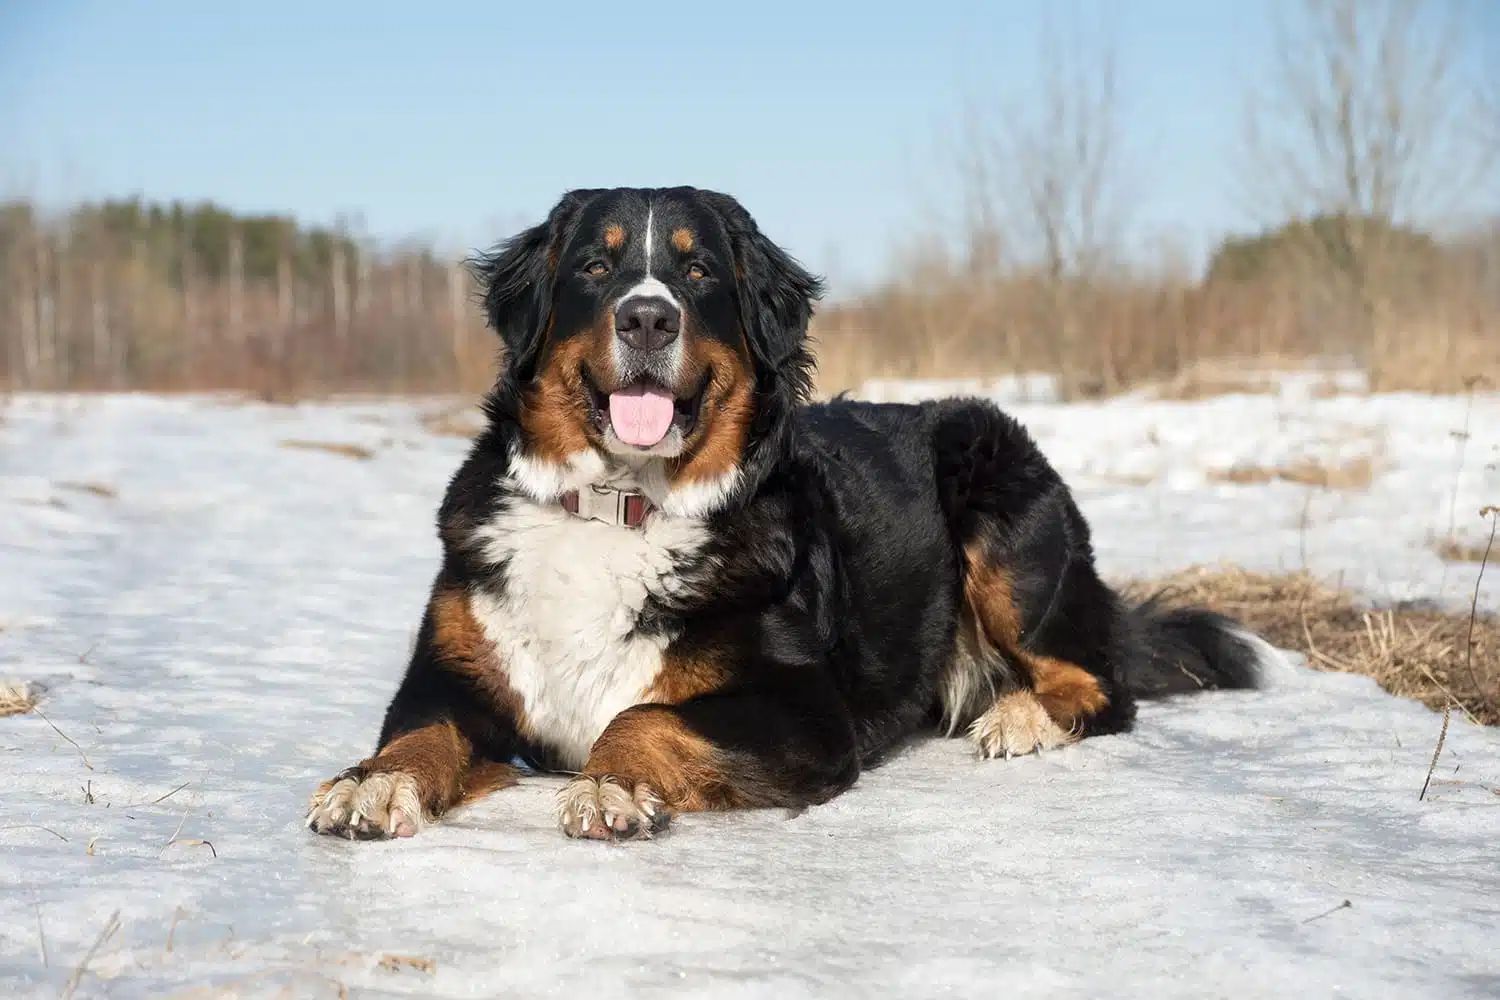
<point x="563" y="628"/>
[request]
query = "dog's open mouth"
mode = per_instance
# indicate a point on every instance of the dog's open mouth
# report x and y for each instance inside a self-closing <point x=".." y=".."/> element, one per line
<point x="644" y="412"/>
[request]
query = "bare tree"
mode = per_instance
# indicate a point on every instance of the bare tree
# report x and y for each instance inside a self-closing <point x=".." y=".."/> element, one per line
<point x="1041" y="188"/>
<point x="99" y="320"/>
<point x="1488" y="117"/>
<point x="236" y="291"/>
<point x="285" y="302"/>
<point x="339" y="279"/>
<point x="1363" y="133"/>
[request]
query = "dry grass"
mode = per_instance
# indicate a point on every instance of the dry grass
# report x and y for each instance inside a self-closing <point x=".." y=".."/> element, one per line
<point x="1329" y="388"/>
<point x="357" y="451"/>
<point x="395" y="963"/>
<point x="1353" y="474"/>
<point x="1248" y="376"/>
<point x="1224" y="376"/>
<point x="407" y="319"/>
<point x="1410" y="650"/>
<point x="1164" y="335"/>
<point x="97" y="489"/>
<point x="16" y="698"/>
<point x="1191" y="388"/>
<point x="461" y="422"/>
<point x="1457" y="550"/>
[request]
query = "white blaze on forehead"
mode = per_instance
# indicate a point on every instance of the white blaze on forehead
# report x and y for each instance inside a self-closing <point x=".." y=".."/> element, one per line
<point x="650" y="221"/>
<point x="650" y="287"/>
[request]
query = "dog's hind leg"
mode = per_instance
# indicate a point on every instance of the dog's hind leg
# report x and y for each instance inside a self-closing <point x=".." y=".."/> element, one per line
<point x="1041" y="638"/>
<point x="1038" y="695"/>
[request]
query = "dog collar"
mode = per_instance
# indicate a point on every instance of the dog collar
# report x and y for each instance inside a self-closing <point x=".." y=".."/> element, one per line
<point x="607" y="504"/>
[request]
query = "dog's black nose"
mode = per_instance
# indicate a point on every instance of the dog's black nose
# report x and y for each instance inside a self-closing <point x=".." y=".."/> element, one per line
<point x="647" y="322"/>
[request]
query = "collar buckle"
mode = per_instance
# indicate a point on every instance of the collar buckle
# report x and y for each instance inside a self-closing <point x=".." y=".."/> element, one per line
<point x="609" y="505"/>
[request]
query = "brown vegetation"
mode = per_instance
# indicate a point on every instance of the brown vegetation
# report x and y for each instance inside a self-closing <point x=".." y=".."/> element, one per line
<point x="123" y="295"/>
<point x="945" y="319"/>
<point x="16" y="698"/>
<point x="1411" y="650"/>
<point x="946" y="322"/>
<point x="356" y="451"/>
<point x="97" y="489"/>
<point x="460" y="422"/>
<point x="1353" y="474"/>
<point x="1457" y="550"/>
<point x="1363" y="146"/>
<point x="1363" y="124"/>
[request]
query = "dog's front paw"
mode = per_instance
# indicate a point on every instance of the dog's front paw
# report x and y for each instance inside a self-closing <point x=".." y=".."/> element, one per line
<point x="363" y="806"/>
<point x="611" y="808"/>
<point x="1016" y="724"/>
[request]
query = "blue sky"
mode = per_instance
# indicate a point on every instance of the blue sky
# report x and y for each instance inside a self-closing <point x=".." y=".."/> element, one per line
<point x="462" y="121"/>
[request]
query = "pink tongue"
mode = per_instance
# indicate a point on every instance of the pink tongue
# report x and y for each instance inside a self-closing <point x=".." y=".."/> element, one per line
<point x="640" y="415"/>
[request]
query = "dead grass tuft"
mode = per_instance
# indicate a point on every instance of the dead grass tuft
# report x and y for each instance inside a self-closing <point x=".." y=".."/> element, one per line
<point x="464" y="422"/>
<point x="1354" y="474"/>
<point x="1411" y="650"/>
<point x="16" y="698"/>
<point x="1329" y="388"/>
<point x="1185" y="390"/>
<point x="1457" y="550"/>
<point x="97" y="489"/>
<point x="357" y="451"/>
<point x="394" y="963"/>
<point x="1207" y="379"/>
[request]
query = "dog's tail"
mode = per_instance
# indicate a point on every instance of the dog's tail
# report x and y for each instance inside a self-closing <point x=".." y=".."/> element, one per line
<point x="1186" y="650"/>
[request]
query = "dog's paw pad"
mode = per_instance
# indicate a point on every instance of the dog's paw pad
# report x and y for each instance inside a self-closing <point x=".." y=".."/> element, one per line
<point x="375" y="807"/>
<point x="1017" y="724"/>
<point x="605" y="809"/>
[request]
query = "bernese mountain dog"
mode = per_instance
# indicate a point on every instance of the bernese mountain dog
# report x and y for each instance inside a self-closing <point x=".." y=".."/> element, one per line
<point x="669" y="576"/>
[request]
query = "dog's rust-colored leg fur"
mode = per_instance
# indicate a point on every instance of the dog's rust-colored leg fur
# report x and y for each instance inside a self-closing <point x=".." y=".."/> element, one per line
<point x="646" y="766"/>
<point x="1056" y="698"/>
<point x="418" y="774"/>
<point x="413" y="780"/>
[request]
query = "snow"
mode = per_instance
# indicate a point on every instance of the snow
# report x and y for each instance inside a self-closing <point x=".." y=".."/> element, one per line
<point x="223" y="632"/>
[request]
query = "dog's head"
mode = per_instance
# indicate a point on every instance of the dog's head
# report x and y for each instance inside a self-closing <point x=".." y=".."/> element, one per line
<point x="655" y="335"/>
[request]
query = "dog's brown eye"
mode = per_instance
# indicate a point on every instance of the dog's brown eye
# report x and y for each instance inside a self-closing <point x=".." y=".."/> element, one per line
<point x="596" y="268"/>
<point x="697" y="272"/>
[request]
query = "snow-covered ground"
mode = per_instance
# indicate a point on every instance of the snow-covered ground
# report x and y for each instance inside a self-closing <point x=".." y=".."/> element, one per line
<point x="220" y="619"/>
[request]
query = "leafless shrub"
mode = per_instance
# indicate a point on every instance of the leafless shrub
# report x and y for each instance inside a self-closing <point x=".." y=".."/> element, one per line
<point x="1364" y="129"/>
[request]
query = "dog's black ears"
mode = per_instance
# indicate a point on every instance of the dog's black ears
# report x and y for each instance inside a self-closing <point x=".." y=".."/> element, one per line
<point x="516" y="280"/>
<point x="776" y="293"/>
